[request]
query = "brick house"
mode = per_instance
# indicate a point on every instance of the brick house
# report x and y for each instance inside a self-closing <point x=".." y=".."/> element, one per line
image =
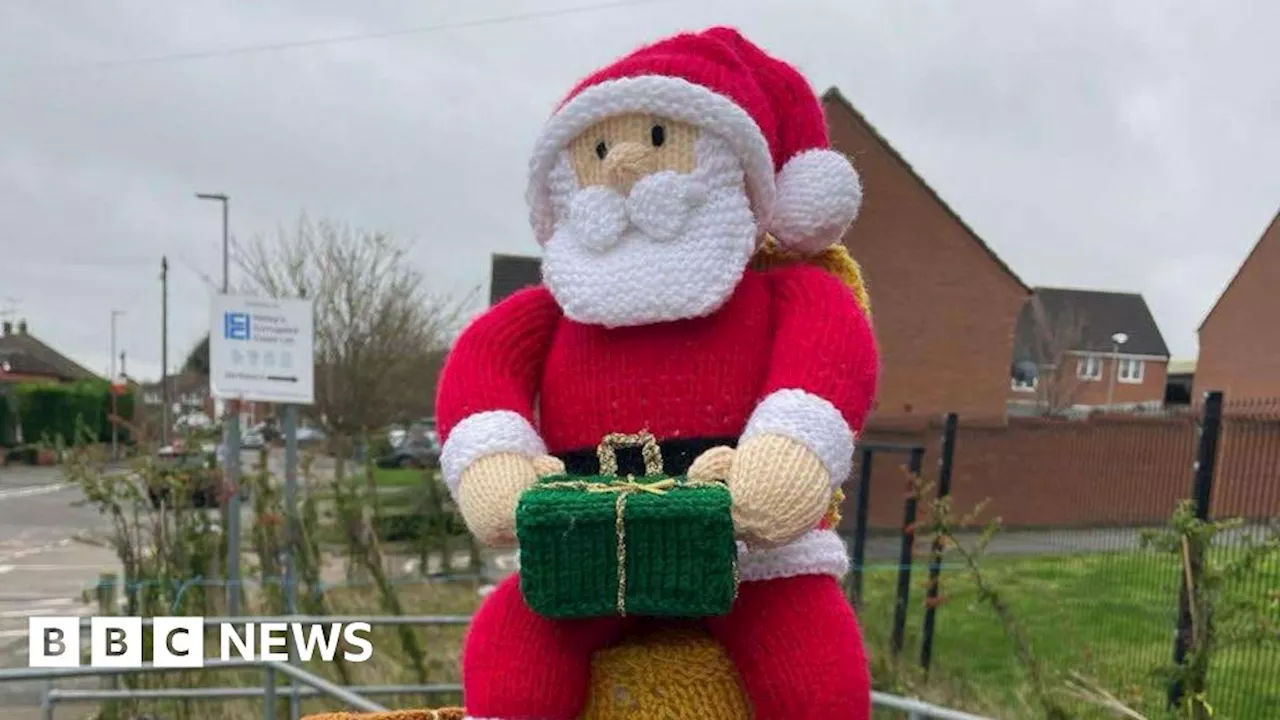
<point x="188" y="390"/>
<point x="1239" y="338"/>
<point x="1079" y="349"/>
<point x="25" y="358"/>
<point x="945" y="305"/>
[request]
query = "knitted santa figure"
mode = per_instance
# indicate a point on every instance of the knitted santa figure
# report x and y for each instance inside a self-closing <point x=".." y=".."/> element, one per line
<point x="652" y="186"/>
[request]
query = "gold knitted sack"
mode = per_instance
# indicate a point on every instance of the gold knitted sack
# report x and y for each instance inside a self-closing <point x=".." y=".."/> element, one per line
<point x="835" y="259"/>
<point x="677" y="672"/>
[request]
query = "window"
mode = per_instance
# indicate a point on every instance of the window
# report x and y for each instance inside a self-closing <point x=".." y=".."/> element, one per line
<point x="1129" y="370"/>
<point x="1023" y="378"/>
<point x="1089" y="367"/>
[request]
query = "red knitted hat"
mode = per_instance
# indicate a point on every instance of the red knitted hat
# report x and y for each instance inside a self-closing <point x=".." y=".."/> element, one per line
<point x="801" y="190"/>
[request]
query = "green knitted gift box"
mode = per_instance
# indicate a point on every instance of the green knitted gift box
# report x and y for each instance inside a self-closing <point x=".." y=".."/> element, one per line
<point x="605" y="545"/>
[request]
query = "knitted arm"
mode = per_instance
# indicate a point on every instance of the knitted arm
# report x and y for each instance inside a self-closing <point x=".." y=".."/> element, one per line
<point x="823" y="371"/>
<point x="485" y="400"/>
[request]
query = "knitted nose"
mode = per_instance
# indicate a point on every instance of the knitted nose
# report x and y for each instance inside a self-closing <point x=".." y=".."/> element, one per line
<point x="625" y="164"/>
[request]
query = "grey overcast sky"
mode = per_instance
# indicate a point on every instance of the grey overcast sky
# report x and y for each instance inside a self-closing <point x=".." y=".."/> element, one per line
<point x="1116" y="144"/>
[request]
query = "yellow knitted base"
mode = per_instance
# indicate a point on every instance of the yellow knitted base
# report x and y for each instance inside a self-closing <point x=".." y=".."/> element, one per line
<point x="669" y="673"/>
<point x="445" y="714"/>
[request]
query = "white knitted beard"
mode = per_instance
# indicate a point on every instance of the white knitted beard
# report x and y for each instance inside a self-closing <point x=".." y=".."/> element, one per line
<point x="675" y="248"/>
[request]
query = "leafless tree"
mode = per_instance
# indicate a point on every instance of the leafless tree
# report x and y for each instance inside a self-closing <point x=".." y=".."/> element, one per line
<point x="1053" y="339"/>
<point x="379" y="332"/>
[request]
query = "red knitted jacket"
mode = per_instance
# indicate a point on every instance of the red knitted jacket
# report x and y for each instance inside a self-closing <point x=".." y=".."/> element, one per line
<point x="796" y="328"/>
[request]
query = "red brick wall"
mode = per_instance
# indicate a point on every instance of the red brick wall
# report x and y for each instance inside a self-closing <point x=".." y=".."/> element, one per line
<point x="1240" y="339"/>
<point x="1108" y="471"/>
<point x="944" y="309"/>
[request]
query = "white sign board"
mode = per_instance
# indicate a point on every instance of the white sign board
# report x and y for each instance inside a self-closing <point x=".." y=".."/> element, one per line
<point x="262" y="349"/>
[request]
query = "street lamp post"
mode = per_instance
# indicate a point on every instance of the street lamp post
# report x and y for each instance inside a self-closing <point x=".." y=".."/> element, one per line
<point x="226" y="203"/>
<point x="230" y="437"/>
<point x="1117" y="340"/>
<point x="115" y="427"/>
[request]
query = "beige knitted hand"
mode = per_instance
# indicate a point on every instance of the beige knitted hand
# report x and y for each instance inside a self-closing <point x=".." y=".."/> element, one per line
<point x="780" y="489"/>
<point x="490" y="488"/>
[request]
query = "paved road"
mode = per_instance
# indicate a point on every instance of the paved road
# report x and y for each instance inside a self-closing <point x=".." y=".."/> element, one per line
<point x="43" y="571"/>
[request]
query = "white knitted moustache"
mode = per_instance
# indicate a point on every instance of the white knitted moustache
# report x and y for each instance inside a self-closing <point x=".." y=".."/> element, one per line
<point x="674" y="248"/>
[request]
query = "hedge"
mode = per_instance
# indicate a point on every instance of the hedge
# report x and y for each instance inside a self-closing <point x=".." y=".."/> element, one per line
<point x="7" y="437"/>
<point x="71" y="412"/>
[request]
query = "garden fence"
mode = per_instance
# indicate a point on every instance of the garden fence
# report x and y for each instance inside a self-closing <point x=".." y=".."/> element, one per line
<point x="1074" y="498"/>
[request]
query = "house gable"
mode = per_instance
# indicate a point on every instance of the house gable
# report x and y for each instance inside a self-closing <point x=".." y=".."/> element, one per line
<point x="1263" y="251"/>
<point x="1239" y="346"/>
<point x="832" y="98"/>
<point x="946" y="305"/>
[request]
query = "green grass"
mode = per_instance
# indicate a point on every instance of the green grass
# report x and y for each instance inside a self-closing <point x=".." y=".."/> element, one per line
<point x="1110" y="616"/>
<point x="393" y="483"/>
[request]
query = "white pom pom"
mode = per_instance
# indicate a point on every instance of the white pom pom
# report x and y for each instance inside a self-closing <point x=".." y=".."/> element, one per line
<point x="818" y="195"/>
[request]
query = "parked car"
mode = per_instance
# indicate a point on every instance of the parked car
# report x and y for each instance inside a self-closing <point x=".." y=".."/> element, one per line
<point x="307" y="434"/>
<point x="422" y="451"/>
<point x="398" y="435"/>
<point x="253" y="440"/>
<point x="192" y="421"/>
<point x="268" y="430"/>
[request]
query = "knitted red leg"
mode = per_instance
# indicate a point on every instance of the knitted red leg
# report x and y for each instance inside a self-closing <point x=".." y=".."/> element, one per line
<point x="797" y="646"/>
<point x="517" y="664"/>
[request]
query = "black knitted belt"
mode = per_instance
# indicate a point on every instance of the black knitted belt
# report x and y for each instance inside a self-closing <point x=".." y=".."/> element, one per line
<point x="677" y="455"/>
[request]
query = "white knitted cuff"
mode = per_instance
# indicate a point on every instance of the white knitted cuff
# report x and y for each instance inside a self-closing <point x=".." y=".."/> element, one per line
<point x="818" y="552"/>
<point x="810" y="420"/>
<point x="486" y="433"/>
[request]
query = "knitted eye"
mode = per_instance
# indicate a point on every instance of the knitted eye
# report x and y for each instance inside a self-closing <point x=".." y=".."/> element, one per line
<point x="601" y="149"/>
<point x="658" y="135"/>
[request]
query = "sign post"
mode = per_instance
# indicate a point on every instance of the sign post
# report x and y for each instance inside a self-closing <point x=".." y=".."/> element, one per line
<point x="261" y="350"/>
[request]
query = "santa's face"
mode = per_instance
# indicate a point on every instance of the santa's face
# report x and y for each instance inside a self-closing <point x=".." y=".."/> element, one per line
<point x="653" y="223"/>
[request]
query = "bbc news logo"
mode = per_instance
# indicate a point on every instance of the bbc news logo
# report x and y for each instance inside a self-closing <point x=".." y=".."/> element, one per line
<point x="179" y="642"/>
